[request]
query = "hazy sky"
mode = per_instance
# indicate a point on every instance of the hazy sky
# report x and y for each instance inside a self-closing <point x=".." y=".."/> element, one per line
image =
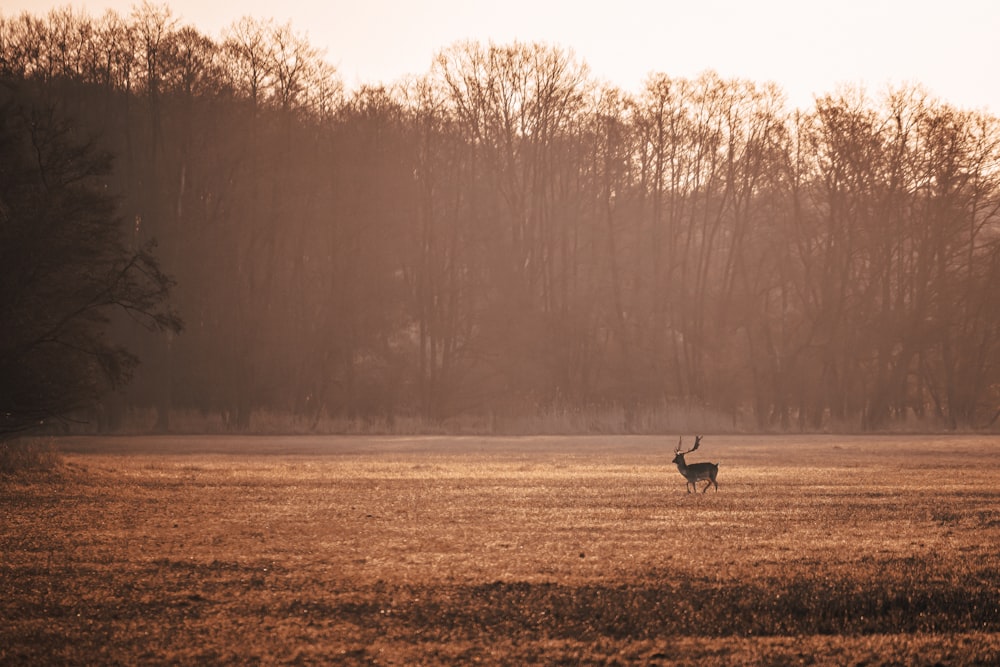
<point x="808" y="47"/>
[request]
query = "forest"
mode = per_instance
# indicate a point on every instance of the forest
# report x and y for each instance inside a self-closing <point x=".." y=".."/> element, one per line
<point x="506" y="236"/>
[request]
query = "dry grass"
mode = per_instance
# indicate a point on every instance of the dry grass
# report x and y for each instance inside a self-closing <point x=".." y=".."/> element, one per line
<point x="27" y="455"/>
<point x="582" y="550"/>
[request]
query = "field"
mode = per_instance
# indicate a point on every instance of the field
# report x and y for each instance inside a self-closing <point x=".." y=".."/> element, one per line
<point x="550" y="550"/>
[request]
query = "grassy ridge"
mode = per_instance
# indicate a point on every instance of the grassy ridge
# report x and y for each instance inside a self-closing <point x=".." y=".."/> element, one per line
<point x="511" y="551"/>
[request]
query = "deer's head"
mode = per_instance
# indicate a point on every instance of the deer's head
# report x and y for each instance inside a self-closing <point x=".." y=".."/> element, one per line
<point x="679" y="455"/>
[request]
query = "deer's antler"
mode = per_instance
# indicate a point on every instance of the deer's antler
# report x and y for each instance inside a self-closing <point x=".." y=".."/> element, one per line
<point x="697" y="441"/>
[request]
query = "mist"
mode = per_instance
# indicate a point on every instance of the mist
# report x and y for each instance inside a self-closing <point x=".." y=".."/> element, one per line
<point x="505" y="243"/>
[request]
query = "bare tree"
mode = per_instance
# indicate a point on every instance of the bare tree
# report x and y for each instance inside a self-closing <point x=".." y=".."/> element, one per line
<point x="67" y="269"/>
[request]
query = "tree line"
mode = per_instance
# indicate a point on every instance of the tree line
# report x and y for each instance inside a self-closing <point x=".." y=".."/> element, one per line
<point x="506" y="235"/>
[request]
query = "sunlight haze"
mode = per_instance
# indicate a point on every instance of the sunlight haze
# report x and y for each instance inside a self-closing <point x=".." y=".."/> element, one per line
<point x="807" y="48"/>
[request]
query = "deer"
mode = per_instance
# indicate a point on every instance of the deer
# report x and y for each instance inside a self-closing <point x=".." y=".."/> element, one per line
<point x="695" y="472"/>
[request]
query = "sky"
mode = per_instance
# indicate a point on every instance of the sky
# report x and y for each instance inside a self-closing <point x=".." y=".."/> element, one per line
<point x="808" y="48"/>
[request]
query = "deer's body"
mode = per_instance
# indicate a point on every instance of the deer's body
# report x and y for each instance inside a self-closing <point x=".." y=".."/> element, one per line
<point x="696" y="472"/>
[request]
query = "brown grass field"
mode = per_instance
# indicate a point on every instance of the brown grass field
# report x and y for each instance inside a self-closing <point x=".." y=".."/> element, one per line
<point x="843" y="550"/>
